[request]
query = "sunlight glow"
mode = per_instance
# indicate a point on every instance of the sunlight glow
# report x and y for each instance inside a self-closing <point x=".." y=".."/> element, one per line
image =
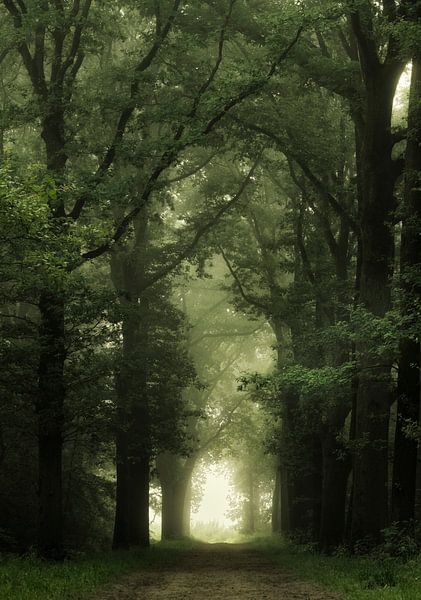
<point x="402" y="90"/>
<point x="215" y="502"/>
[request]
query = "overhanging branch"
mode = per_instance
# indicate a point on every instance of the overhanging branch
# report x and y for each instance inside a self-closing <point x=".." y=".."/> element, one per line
<point x="249" y="299"/>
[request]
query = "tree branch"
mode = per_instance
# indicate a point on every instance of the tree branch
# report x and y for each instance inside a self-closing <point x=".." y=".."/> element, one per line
<point x="158" y="18"/>
<point x="364" y="35"/>
<point x="202" y="231"/>
<point x="127" y="112"/>
<point x="205" y="86"/>
<point x="171" y="153"/>
<point x="37" y="80"/>
<point x="322" y="43"/>
<point x="77" y="36"/>
<point x="253" y="87"/>
<point x="192" y="171"/>
<point x="346" y="45"/>
<point x="39" y="52"/>
<point x="253" y="301"/>
<point x="227" y="421"/>
<point x="283" y="147"/>
<point x="320" y="214"/>
<point x="223" y="334"/>
<point x="303" y="251"/>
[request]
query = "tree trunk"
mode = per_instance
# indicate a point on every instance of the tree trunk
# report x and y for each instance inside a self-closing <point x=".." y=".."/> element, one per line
<point x="187" y="509"/>
<point x="133" y="443"/>
<point x="51" y="386"/>
<point x="405" y="452"/>
<point x="131" y="522"/>
<point x="418" y="471"/>
<point x="173" y="510"/>
<point x="306" y="491"/>
<point x="282" y="495"/>
<point x="405" y="464"/>
<point x="139" y="476"/>
<point x="377" y="178"/>
<point x="121" y="534"/>
<point x="249" y="506"/>
<point x="175" y="475"/>
<point x="50" y="425"/>
<point x="335" y="477"/>
<point x="276" y="501"/>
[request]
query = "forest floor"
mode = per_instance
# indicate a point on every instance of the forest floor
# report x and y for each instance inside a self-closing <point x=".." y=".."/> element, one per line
<point x="264" y="568"/>
<point x="217" y="572"/>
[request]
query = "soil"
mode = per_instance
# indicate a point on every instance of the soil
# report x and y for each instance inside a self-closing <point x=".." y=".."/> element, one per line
<point x="216" y="572"/>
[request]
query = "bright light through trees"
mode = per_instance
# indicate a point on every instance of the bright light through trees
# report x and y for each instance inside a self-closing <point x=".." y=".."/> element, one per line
<point x="215" y="505"/>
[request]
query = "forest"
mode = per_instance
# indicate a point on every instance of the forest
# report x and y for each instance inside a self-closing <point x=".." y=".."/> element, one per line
<point x="210" y="259"/>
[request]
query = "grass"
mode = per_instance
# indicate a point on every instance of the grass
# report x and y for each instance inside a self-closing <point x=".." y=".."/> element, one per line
<point x="356" y="578"/>
<point x="29" y="578"/>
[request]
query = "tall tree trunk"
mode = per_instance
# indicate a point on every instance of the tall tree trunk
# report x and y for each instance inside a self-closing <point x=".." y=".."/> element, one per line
<point x="307" y="491"/>
<point x="418" y="473"/>
<point x="51" y="394"/>
<point x="377" y="179"/>
<point x="121" y="535"/>
<point x="276" y="501"/>
<point x="131" y="524"/>
<point x="282" y="494"/>
<point x="405" y="456"/>
<point x="250" y="508"/>
<point x="173" y="509"/>
<point x="139" y="477"/>
<point x="336" y="471"/>
<point x="175" y="475"/>
<point x="133" y="443"/>
<point x="51" y="386"/>
<point x="188" y="508"/>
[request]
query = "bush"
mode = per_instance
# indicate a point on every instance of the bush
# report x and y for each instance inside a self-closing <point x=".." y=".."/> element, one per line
<point x="401" y="540"/>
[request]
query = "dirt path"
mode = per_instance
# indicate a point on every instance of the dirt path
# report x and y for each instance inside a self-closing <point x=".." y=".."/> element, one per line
<point x="216" y="572"/>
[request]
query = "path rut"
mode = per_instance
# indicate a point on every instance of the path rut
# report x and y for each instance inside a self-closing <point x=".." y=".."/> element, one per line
<point x="216" y="572"/>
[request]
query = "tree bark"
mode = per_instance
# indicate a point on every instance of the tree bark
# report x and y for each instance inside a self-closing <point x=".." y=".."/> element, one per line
<point x="51" y="394"/>
<point x="276" y="501"/>
<point x="307" y="492"/>
<point x="406" y="448"/>
<point x="133" y="440"/>
<point x="336" y="471"/>
<point x="377" y="179"/>
<point x="139" y="477"/>
<point x="121" y="535"/>
<point x="175" y="475"/>
<point x="282" y="494"/>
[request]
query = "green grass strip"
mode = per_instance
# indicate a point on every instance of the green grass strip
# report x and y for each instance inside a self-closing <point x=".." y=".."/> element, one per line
<point x="32" y="579"/>
<point x="356" y="578"/>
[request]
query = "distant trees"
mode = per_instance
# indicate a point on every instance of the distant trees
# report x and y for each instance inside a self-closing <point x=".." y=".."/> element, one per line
<point x="221" y="346"/>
